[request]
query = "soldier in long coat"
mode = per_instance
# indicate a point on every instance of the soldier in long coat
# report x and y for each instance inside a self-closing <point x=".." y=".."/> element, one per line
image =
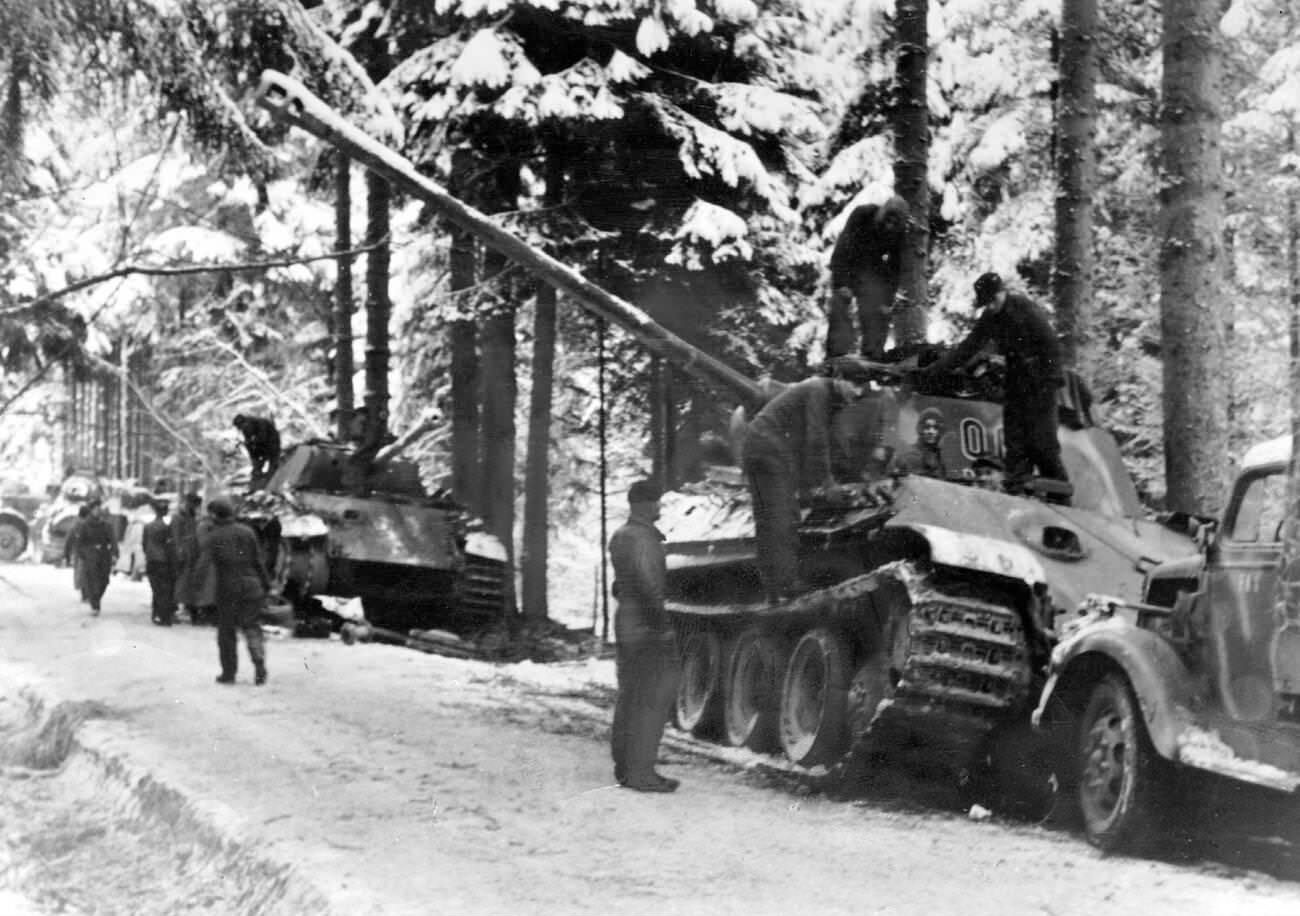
<point x="96" y="553"/>
<point x="185" y="541"/>
<point x="647" y="667"/>
<point x="233" y="579"/>
<point x="70" y="550"/>
<point x="160" y="565"/>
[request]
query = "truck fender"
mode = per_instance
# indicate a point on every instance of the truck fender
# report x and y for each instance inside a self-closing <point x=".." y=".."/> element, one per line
<point x="1165" y="690"/>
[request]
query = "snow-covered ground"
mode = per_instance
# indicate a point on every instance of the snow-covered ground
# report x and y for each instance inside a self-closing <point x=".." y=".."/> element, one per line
<point x="373" y="779"/>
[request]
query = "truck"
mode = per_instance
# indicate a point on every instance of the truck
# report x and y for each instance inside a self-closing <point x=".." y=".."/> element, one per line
<point x="933" y="605"/>
<point x="1202" y="674"/>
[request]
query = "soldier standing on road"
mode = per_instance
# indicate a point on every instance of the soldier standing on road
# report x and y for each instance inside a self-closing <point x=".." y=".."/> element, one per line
<point x="160" y="565"/>
<point x="647" y="653"/>
<point x="1022" y="333"/>
<point x="185" y="541"/>
<point x="233" y="578"/>
<point x="788" y="449"/>
<point x="96" y="554"/>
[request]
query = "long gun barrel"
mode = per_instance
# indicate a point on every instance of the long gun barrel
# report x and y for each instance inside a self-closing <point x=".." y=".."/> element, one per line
<point x="290" y="102"/>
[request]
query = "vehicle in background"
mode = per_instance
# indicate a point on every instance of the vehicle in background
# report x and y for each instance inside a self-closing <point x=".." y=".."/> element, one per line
<point x="18" y="507"/>
<point x="55" y="519"/>
<point x="1204" y="674"/>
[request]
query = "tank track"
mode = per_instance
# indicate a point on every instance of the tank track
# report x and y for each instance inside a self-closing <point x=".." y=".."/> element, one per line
<point x="962" y="662"/>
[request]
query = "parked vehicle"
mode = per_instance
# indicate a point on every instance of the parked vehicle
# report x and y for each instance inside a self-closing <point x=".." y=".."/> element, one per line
<point x="18" y="507"/>
<point x="1202" y="675"/>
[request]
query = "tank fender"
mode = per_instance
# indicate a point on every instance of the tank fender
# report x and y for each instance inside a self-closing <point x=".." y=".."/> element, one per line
<point x="972" y="551"/>
<point x="305" y="525"/>
<point x="1166" y="691"/>
<point x="483" y="544"/>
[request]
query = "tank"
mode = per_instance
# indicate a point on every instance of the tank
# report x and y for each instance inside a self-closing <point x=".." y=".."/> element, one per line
<point x="933" y="604"/>
<point x="416" y="560"/>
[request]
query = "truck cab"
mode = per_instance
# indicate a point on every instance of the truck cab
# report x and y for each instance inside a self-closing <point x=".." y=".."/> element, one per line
<point x="1203" y="674"/>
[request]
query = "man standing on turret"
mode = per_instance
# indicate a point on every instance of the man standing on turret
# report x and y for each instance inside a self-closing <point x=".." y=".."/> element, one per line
<point x="1018" y="329"/>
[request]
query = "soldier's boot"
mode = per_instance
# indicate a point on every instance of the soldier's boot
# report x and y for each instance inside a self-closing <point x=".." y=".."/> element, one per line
<point x="257" y="652"/>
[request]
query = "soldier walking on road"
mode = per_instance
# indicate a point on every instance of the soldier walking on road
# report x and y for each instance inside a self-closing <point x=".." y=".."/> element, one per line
<point x="96" y="553"/>
<point x="233" y="577"/>
<point x="160" y="565"/>
<point x="1022" y="333"/>
<point x="647" y="653"/>
<point x="185" y="542"/>
<point x="70" y="555"/>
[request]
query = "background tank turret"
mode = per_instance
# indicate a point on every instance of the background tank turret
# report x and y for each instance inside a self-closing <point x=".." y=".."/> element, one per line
<point x="933" y="604"/>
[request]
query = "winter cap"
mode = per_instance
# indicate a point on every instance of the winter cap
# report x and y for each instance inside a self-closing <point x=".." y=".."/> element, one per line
<point x="220" y="507"/>
<point x="930" y="413"/>
<point x="986" y="288"/>
<point x="644" y="491"/>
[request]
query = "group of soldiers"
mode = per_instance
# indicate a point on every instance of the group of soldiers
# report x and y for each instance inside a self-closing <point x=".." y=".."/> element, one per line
<point x="792" y="446"/>
<point x="209" y="565"/>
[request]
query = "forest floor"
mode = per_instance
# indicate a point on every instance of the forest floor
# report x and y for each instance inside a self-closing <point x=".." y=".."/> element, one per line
<point x="373" y="779"/>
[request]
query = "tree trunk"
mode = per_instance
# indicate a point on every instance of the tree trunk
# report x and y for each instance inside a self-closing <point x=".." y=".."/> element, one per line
<point x="1287" y="600"/>
<point x="378" y="310"/>
<point x="499" y="391"/>
<point x="344" y="396"/>
<point x="537" y="477"/>
<point x="911" y="155"/>
<point x="1191" y="258"/>
<point x="1076" y="176"/>
<point x="464" y="355"/>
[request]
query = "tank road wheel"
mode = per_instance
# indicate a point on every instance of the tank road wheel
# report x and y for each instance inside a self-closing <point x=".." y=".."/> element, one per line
<point x="753" y="701"/>
<point x="12" y="542"/>
<point x="814" y="698"/>
<point x="699" y="692"/>
<point x="1122" y="781"/>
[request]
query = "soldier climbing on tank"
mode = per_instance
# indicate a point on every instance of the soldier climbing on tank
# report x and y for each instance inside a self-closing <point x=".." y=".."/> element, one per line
<point x="647" y="668"/>
<point x="262" y="441"/>
<point x="925" y="458"/>
<point x="1022" y="333"/>
<point x="791" y="449"/>
<point x="865" y="271"/>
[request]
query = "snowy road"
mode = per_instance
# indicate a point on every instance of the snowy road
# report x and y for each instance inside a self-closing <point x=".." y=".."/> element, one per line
<point x="379" y="780"/>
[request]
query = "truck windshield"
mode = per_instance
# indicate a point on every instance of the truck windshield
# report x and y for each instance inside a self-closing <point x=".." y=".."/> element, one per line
<point x="1261" y="510"/>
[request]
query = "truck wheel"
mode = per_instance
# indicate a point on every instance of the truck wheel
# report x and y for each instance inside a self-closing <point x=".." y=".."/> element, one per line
<point x="699" y="692"/>
<point x="12" y="542"/>
<point x="1122" y="782"/>
<point x="753" y="702"/>
<point x="814" y="698"/>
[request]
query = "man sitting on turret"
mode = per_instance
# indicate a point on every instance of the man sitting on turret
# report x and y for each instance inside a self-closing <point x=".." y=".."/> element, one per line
<point x="925" y="458"/>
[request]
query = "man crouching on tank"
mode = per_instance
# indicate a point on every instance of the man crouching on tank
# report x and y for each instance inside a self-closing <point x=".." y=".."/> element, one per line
<point x="791" y="448"/>
<point x="647" y="664"/>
